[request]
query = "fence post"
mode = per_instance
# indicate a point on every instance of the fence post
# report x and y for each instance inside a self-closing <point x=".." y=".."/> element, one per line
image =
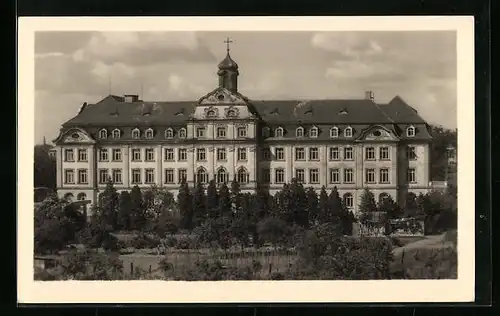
<point x="270" y="267"/>
<point x="131" y="268"/>
<point x="149" y="269"/>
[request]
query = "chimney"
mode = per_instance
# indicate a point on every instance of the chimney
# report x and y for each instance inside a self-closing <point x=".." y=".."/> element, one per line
<point x="369" y="95"/>
<point x="131" y="98"/>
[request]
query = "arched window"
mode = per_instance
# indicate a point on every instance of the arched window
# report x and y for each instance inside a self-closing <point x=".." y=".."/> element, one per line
<point x="149" y="133"/>
<point x="348" y="132"/>
<point x="265" y="131"/>
<point x="313" y="133"/>
<point x="242" y="175"/>
<point x="103" y="134"/>
<point x="81" y="196"/>
<point x="68" y="197"/>
<point x="136" y="133"/>
<point x="116" y="133"/>
<point x="334" y="132"/>
<point x="348" y="200"/>
<point x="279" y="132"/>
<point x="201" y="175"/>
<point x="169" y="133"/>
<point x="182" y="133"/>
<point x="299" y="132"/>
<point x="410" y="131"/>
<point x="222" y="176"/>
<point x="382" y="196"/>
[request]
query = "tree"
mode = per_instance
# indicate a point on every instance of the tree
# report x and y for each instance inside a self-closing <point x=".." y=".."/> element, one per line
<point x="323" y="206"/>
<point x="224" y="202"/>
<point x="137" y="218"/>
<point x="199" y="205"/>
<point x="235" y="195"/>
<point x="312" y="206"/>
<point x="297" y="213"/>
<point x="273" y="230"/>
<point x="335" y="206"/>
<point x="125" y="211"/>
<point x="44" y="167"/>
<point x="390" y="210"/>
<point x="184" y="200"/>
<point x="212" y="206"/>
<point x="367" y="206"/>
<point x="442" y="139"/>
<point x="108" y="204"/>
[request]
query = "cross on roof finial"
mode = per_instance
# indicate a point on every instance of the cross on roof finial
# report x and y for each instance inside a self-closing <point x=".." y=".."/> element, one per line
<point x="228" y="41"/>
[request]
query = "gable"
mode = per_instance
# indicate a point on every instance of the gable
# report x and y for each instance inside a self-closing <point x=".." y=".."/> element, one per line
<point x="378" y="133"/>
<point x="74" y="135"/>
<point x="222" y="96"/>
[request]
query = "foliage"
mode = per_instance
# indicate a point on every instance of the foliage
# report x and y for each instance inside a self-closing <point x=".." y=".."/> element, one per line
<point x="143" y="241"/>
<point x="428" y="264"/>
<point x="124" y="218"/>
<point x="367" y="203"/>
<point x="442" y="138"/>
<point x="184" y="200"/>
<point x="199" y="205"/>
<point x="137" y="216"/>
<point x="205" y="270"/>
<point x="273" y="230"/>
<point x="108" y="204"/>
<point x="440" y="209"/>
<point x="44" y="167"/>
<point x="90" y="265"/>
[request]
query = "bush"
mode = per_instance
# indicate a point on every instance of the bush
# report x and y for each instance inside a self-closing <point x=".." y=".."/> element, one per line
<point x="217" y="271"/>
<point x="90" y="265"/>
<point x="430" y="264"/>
<point x="186" y="242"/>
<point x="144" y="241"/>
<point x="170" y="241"/>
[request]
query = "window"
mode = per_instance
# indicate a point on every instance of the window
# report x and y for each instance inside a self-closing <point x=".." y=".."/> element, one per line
<point x="103" y="154"/>
<point x="182" y="175"/>
<point x="221" y="132"/>
<point x="348" y="200"/>
<point x="117" y="154"/>
<point x="299" y="132"/>
<point x="279" y="176"/>
<point x="300" y="175"/>
<point x="117" y="175"/>
<point x="334" y="132"/>
<point x="412" y="176"/>
<point x="69" y="155"/>
<point x="136" y="154"/>
<point x="280" y="153"/>
<point x="150" y="154"/>
<point x="149" y="133"/>
<point x="384" y="153"/>
<point x="82" y="176"/>
<point x="169" y="154"/>
<point x="136" y="133"/>
<point x="82" y="154"/>
<point x="265" y="131"/>
<point x="314" y="175"/>
<point x="169" y="176"/>
<point x="136" y="176"/>
<point x="242" y="154"/>
<point x="411" y="153"/>
<point x="169" y="133"/>
<point x="348" y="132"/>
<point x="116" y="133"/>
<point x="410" y="131"/>
<point x="69" y="176"/>
<point x="200" y="132"/>
<point x="334" y="175"/>
<point x="201" y="154"/>
<point x="279" y="132"/>
<point x="103" y="176"/>
<point x="222" y="176"/>
<point x="266" y="154"/>
<point x="348" y="175"/>
<point x="370" y="175"/>
<point x="201" y="175"/>
<point x="150" y="176"/>
<point x="384" y="175"/>
<point x="313" y="133"/>
<point x="242" y="132"/>
<point x="334" y="153"/>
<point x="103" y="134"/>
<point x="182" y="133"/>
<point x="221" y="154"/>
<point x="266" y="175"/>
<point x="313" y="153"/>
<point x="300" y="154"/>
<point x="182" y="154"/>
<point x="370" y="153"/>
<point x="348" y="153"/>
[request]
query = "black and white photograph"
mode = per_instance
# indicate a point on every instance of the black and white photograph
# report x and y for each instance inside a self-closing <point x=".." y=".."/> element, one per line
<point x="247" y="155"/>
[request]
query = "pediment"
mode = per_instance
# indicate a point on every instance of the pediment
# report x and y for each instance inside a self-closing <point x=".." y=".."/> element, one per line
<point x="378" y="133"/>
<point x="74" y="135"/>
<point x="221" y="96"/>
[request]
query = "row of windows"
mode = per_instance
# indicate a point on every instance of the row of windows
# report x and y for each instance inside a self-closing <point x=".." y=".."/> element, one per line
<point x="333" y="153"/>
<point x="334" y="132"/>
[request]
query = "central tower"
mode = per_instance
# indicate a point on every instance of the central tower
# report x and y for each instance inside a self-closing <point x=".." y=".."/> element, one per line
<point x="228" y="71"/>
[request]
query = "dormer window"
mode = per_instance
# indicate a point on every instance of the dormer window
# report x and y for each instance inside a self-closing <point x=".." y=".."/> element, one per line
<point x="279" y="132"/>
<point x="265" y="131"/>
<point x="136" y="133"/>
<point x="182" y="133"/>
<point x="103" y="134"/>
<point x="313" y="133"/>
<point x="343" y="112"/>
<point x="410" y="131"/>
<point x="348" y="132"/>
<point x="149" y="133"/>
<point x="334" y="132"/>
<point x="116" y="133"/>
<point x="169" y="133"/>
<point x="299" y="132"/>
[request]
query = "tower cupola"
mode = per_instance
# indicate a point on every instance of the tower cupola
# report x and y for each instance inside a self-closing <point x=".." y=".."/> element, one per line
<point x="228" y="71"/>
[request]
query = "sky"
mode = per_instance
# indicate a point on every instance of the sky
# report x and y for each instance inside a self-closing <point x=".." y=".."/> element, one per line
<point x="76" y="67"/>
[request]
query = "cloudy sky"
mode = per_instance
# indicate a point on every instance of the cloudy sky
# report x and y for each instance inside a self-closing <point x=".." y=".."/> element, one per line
<point x="76" y="67"/>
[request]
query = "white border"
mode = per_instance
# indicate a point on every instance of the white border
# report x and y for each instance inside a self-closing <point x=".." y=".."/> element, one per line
<point x="461" y="289"/>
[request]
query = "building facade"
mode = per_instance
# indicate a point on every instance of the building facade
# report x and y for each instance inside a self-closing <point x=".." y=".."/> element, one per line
<point x="348" y="144"/>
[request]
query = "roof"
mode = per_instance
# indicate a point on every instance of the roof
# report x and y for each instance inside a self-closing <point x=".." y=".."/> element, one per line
<point x="228" y="63"/>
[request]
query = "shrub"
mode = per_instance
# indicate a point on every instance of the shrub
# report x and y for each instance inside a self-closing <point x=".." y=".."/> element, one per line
<point x="89" y="265"/>
<point x="217" y="271"/>
<point x="144" y="241"/>
<point x="170" y="241"/>
<point x="431" y="264"/>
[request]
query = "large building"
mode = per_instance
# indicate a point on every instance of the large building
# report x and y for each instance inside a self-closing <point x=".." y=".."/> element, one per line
<point x="351" y="144"/>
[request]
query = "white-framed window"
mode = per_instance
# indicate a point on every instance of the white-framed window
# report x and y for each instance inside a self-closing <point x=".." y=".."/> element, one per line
<point x="384" y="176"/>
<point x="242" y="154"/>
<point x="221" y="154"/>
<point x="265" y="131"/>
<point x="334" y="132"/>
<point x="334" y="175"/>
<point x="411" y="153"/>
<point x="242" y="132"/>
<point x="348" y="200"/>
<point x="103" y="176"/>
<point x="136" y="176"/>
<point x="384" y="153"/>
<point x="149" y="133"/>
<point x="116" y="175"/>
<point x="242" y="175"/>
<point x="280" y="153"/>
<point x="103" y="134"/>
<point x="182" y="175"/>
<point x="266" y="154"/>
<point x="334" y="153"/>
<point x="201" y="175"/>
<point x="200" y="132"/>
<point x="300" y="153"/>
<point x="136" y="133"/>
<point x="313" y="153"/>
<point x="182" y="133"/>
<point x="221" y="132"/>
<point x="348" y="153"/>
<point x="103" y="154"/>
<point x="117" y="154"/>
<point x="82" y="155"/>
<point x="136" y="154"/>
<point x="150" y="154"/>
<point x="370" y="175"/>
<point x="169" y="176"/>
<point x="83" y="176"/>
<point x="201" y="154"/>
<point x="278" y="132"/>
<point x="300" y="175"/>
<point x="348" y="132"/>
<point x="313" y="132"/>
<point x="222" y="176"/>
<point x="314" y="175"/>
<point x="412" y="175"/>
<point x="279" y="175"/>
<point x="117" y="133"/>
<point x="69" y="155"/>
<point x="150" y="176"/>
<point x="348" y="175"/>
<point x="299" y="132"/>
<point x="369" y="153"/>
<point x="69" y="176"/>
<point x="169" y="154"/>
<point x="266" y="175"/>
<point x="182" y="154"/>
<point x="169" y="133"/>
<point x="410" y="131"/>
